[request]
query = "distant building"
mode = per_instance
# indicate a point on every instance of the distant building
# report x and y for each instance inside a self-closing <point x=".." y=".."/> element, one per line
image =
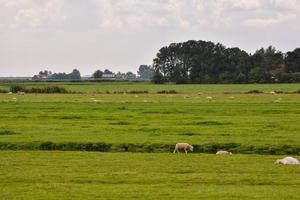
<point x="110" y="76"/>
<point x="39" y="77"/>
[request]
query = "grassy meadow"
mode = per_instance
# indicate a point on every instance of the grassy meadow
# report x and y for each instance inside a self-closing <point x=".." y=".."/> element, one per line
<point x="83" y="175"/>
<point x="118" y="121"/>
<point x="233" y="119"/>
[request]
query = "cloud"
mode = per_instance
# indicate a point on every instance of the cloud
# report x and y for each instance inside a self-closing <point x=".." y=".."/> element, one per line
<point x="265" y="22"/>
<point x="244" y="4"/>
<point x="131" y="13"/>
<point x="30" y="14"/>
<point x="285" y="4"/>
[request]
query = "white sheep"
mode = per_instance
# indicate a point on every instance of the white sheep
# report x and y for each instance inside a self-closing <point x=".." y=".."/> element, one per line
<point x="223" y="153"/>
<point x="272" y="92"/>
<point x="180" y="147"/>
<point x="288" y="161"/>
<point x="209" y="98"/>
<point x="278" y="100"/>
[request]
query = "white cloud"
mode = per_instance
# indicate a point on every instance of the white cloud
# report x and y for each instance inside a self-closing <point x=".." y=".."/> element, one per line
<point x="29" y="14"/>
<point x="288" y="4"/>
<point x="244" y="4"/>
<point x="264" y="22"/>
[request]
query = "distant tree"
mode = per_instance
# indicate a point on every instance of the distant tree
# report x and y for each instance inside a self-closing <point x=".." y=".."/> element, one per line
<point x="145" y="72"/>
<point x="106" y="71"/>
<point x="98" y="74"/>
<point x="42" y="75"/>
<point x="158" y="78"/>
<point x="207" y="62"/>
<point x="74" y="75"/>
<point x="265" y="62"/>
<point x="292" y="61"/>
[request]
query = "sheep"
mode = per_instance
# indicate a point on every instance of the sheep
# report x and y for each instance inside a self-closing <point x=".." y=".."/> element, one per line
<point x="183" y="147"/>
<point x="209" y="98"/>
<point x="288" y="161"/>
<point x="223" y="153"/>
<point x="278" y="100"/>
<point x="272" y="92"/>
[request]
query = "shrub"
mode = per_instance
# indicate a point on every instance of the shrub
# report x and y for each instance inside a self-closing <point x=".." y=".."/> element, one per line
<point x="48" y="90"/>
<point x="6" y="132"/>
<point x="254" y="92"/>
<point x="3" y="91"/>
<point x="167" y="92"/>
<point x="17" y="88"/>
<point x="297" y="92"/>
<point x="131" y="92"/>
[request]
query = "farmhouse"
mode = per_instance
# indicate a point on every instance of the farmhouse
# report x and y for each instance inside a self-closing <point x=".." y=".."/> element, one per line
<point x="109" y="75"/>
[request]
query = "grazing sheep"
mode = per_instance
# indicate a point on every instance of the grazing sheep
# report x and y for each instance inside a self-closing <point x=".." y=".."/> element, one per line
<point x="21" y="93"/>
<point x="180" y="147"/>
<point x="223" y="153"/>
<point x="272" y="92"/>
<point x="209" y="98"/>
<point x="278" y="100"/>
<point x="288" y="161"/>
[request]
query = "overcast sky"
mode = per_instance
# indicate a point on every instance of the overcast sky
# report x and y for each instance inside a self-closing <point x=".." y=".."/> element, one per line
<point x="60" y="35"/>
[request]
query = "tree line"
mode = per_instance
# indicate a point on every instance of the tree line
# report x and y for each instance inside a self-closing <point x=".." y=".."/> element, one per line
<point x="207" y="62"/>
<point x="48" y="75"/>
<point x="145" y="72"/>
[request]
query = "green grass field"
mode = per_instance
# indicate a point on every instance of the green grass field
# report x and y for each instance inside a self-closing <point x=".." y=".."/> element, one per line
<point x="246" y="120"/>
<point x="77" y="175"/>
<point x="96" y="119"/>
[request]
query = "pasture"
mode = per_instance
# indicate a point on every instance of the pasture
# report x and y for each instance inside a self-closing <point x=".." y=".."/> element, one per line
<point x="116" y="119"/>
<point x="82" y="175"/>
<point x="242" y="122"/>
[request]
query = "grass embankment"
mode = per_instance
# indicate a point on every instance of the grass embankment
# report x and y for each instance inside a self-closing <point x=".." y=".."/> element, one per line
<point x="79" y="175"/>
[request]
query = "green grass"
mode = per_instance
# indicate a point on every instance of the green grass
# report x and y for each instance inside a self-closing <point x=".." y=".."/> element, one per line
<point x="250" y="121"/>
<point x="149" y="122"/>
<point x="90" y="87"/>
<point x="78" y="175"/>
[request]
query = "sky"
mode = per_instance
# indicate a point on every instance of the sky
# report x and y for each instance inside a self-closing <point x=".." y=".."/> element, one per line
<point x="60" y="35"/>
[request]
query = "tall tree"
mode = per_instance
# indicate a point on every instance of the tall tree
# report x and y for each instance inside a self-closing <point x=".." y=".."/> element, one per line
<point x="292" y="61"/>
<point x="75" y="75"/>
<point x="97" y="74"/>
<point x="145" y="72"/>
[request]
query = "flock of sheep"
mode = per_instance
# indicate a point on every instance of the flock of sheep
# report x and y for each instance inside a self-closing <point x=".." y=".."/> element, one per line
<point x="185" y="147"/>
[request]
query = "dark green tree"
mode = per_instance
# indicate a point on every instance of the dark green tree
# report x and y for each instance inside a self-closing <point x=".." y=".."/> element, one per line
<point x="97" y="74"/>
<point x="145" y="72"/>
